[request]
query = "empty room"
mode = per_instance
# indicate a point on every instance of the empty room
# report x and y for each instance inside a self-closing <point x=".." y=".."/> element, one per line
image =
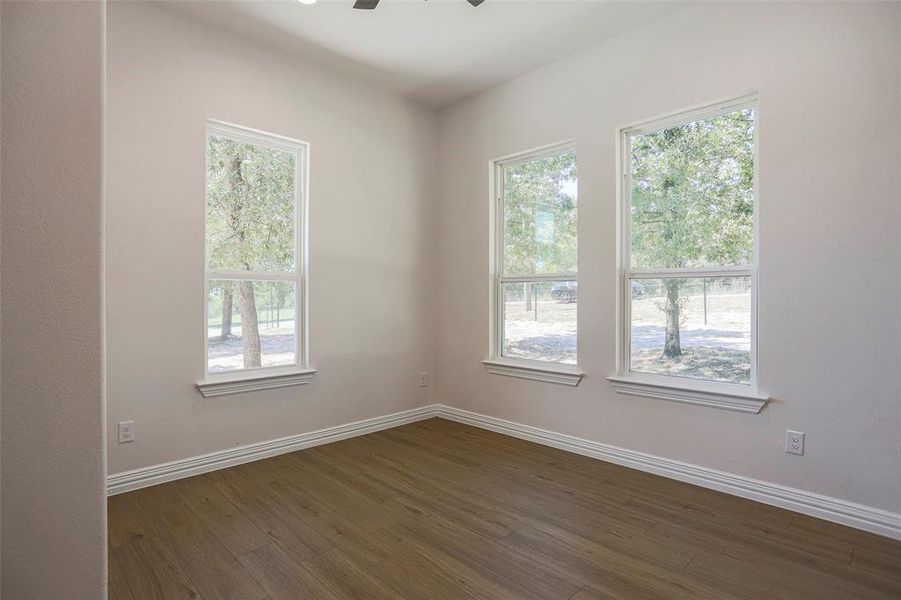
<point x="450" y="299"/>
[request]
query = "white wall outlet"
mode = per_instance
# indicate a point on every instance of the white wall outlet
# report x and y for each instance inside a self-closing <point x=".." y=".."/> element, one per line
<point x="424" y="379"/>
<point x="794" y="442"/>
<point x="126" y="431"/>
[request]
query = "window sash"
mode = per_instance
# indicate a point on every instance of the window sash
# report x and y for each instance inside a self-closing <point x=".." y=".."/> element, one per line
<point x="708" y="111"/>
<point x="500" y="312"/>
<point x="537" y="278"/>
<point x="627" y="274"/>
<point x="628" y="278"/>
<point x="253" y="275"/>
<point x="300" y="149"/>
<point x="500" y="276"/>
<point x="657" y="125"/>
<point x="500" y="209"/>
<point x="299" y="329"/>
<point x="690" y="273"/>
<point x="275" y="142"/>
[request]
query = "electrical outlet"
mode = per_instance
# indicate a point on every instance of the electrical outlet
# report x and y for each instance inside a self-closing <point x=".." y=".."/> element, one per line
<point x="126" y="432"/>
<point x="794" y="442"/>
<point x="424" y="379"/>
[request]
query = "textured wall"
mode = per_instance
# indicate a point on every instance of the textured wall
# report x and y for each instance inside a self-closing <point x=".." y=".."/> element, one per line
<point x="371" y="236"/>
<point x="53" y="521"/>
<point x="829" y="324"/>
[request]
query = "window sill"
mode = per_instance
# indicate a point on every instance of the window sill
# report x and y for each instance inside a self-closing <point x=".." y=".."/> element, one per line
<point x="211" y="389"/>
<point x="740" y="400"/>
<point x="562" y="375"/>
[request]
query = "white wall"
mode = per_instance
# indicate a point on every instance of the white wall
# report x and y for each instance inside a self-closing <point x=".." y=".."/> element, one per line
<point x="371" y="240"/>
<point x="829" y="85"/>
<point x="828" y="78"/>
<point x="54" y="508"/>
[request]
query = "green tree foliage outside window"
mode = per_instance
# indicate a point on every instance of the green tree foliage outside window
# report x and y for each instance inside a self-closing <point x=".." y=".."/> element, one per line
<point x="540" y="216"/>
<point x="692" y="202"/>
<point x="250" y="207"/>
<point x="250" y="227"/>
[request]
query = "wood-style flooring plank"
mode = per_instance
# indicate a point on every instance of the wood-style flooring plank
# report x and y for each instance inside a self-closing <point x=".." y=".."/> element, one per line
<point x="152" y="572"/>
<point x="242" y="486"/>
<point x="126" y="521"/>
<point x="440" y="510"/>
<point x="414" y="575"/>
<point x="344" y="576"/>
<point x="519" y="574"/>
<point x="606" y="569"/>
<point x="198" y="551"/>
<point x="342" y="533"/>
<point x="234" y="529"/>
<point x="282" y="576"/>
<point x="118" y="583"/>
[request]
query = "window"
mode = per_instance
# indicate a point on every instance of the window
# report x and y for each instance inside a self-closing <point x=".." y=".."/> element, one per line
<point x="255" y="188"/>
<point x="688" y="256"/>
<point x="535" y="287"/>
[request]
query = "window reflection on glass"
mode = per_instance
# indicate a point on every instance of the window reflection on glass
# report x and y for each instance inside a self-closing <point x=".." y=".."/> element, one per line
<point x="541" y="216"/>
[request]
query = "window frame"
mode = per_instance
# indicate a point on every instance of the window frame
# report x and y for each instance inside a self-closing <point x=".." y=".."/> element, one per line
<point x="263" y="377"/>
<point x="734" y="396"/>
<point x="497" y="363"/>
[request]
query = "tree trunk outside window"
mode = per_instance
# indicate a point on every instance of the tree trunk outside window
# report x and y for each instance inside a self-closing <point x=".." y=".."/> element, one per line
<point x="672" y="346"/>
<point x="250" y="328"/>
<point x="227" y="309"/>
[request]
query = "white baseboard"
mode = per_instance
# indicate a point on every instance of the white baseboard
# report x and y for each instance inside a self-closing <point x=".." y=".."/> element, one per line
<point x="867" y="518"/>
<point x="187" y="467"/>
<point x="832" y="509"/>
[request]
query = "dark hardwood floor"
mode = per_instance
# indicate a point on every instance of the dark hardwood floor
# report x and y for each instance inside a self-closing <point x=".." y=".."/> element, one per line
<point x="441" y="510"/>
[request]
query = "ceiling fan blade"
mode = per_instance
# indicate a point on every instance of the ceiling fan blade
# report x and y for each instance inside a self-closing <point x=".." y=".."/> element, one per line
<point x="366" y="4"/>
<point x="475" y="2"/>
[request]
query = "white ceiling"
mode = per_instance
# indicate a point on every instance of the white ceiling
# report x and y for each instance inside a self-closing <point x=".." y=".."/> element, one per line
<point x="434" y="51"/>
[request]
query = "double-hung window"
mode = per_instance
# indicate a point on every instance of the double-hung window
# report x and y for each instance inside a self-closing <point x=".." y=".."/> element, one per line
<point x="534" y="267"/>
<point x="255" y="257"/>
<point x="688" y="259"/>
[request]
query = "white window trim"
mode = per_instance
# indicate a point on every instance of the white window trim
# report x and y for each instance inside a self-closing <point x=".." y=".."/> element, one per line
<point x="730" y="396"/>
<point x="497" y="363"/>
<point x="272" y="380"/>
<point x="535" y="370"/>
<point x="262" y="378"/>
